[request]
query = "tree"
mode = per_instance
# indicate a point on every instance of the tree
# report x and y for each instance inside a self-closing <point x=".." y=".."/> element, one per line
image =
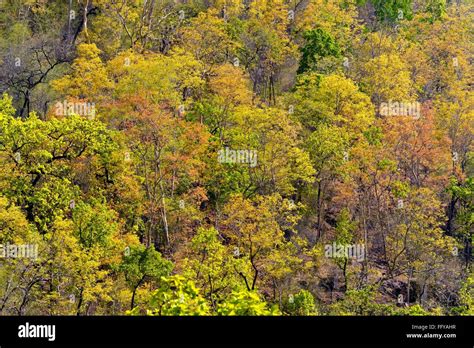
<point x="41" y="157"/>
<point x="88" y="79"/>
<point x="344" y="237"/>
<point x="392" y="10"/>
<point x="208" y="38"/>
<point x="360" y="302"/>
<point x="302" y="304"/>
<point x="141" y="264"/>
<point x="319" y="45"/>
<point x="245" y="303"/>
<point x="177" y="296"/>
<point x="387" y="78"/>
<point x="266" y="45"/>
<point x="211" y="266"/>
<point x="257" y="229"/>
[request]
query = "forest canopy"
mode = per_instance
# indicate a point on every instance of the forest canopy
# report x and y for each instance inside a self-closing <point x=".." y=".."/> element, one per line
<point x="224" y="157"/>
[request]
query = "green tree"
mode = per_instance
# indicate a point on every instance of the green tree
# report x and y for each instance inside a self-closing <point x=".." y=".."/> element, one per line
<point x="141" y="264"/>
<point x="318" y="45"/>
<point x="177" y="296"/>
<point x="301" y="304"/>
<point x="245" y="303"/>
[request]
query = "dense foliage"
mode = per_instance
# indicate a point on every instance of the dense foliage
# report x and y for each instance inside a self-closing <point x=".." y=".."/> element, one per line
<point x="263" y="157"/>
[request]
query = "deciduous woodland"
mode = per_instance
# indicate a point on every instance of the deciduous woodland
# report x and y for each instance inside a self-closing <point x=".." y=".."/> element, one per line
<point x="236" y="157"/>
